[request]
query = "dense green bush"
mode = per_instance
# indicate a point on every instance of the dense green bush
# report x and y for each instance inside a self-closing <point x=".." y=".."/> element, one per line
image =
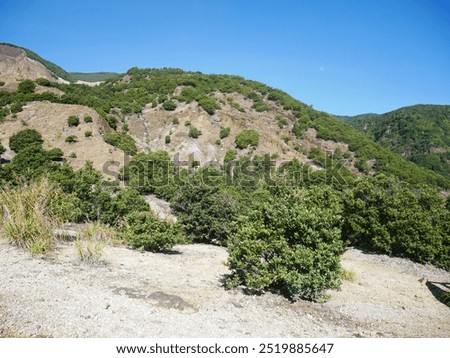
<point x="24" y="139"/>
<point x="209" y="104"/>
<point x="26" y="86"/>
<point x="88" y="134"/>
<point x="386" y="215"/>
<point x="151" y="173"/>
<point x="112" y="121"/>
<point x="291" y="244"/>
<point x="230" y="155"/>
<point x="3" y="113"/>
<point x="125" y="202"/>
<point x="194" y="132"/>
<point x="143" y="230"/>
<point x="246" y="138"/>
<point x="122" y="141"/>
<point x="73" y="121"/>
<point x="261" y="106"/>
<point x="169" y="106"/>
<point x="205" y="213"/>
<point x="167" y="139"/>
<point x="88" y="119"/>
<point x="43" y="82"/>
<point x="71" y="139"/>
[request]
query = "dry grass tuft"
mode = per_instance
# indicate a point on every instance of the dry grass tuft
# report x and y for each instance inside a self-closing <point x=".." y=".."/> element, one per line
<point x="91" y="242"/>
<point x="25" y="216"/>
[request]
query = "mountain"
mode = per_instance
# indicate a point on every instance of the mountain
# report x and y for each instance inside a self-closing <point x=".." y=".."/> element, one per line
<point x="420" y="133"/>
<point x="196" y="118"/>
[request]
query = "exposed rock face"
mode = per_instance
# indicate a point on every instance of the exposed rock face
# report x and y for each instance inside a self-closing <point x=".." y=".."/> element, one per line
<point x="15" y="66"/>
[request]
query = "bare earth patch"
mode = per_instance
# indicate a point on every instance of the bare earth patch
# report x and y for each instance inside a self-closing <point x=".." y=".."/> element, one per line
<point x="180" y="295"/>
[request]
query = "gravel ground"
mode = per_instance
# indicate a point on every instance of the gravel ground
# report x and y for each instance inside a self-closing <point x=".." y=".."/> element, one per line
<point x="180" y="295"/>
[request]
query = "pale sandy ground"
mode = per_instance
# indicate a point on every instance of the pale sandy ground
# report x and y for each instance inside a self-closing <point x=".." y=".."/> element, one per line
<point x="180" y="295"/>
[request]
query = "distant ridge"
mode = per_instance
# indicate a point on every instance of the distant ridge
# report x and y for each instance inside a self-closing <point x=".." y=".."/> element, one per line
<point x="61" y="73"/>
<point x="420" y="133"/>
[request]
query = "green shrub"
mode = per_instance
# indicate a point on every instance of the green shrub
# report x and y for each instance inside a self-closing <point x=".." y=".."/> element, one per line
<point x="43" y="82"/>
<point x="209" y="104"/>
<point x="16" y="107"/>
<point x="224" y="132"/>
<point x="71" y="139"/>
<point x="26" y="86"/>
<point x="205" y="214"/>
<point x="144" y="231"/>
<point x="282" y="122"/>
<point x="386" y="215"/>
<point x="167" y="139"/>
<point x="3" y="113"/>
<point x="235" y="105"/>
<point x="169" y="106"/>
<point x="261" y="106"/>
<point x="299" y="128"/>
<point x="248" y="137"/>
<point x="73" y="155"/>
<point x="122" y="141"/>
<point x="151" y="173"/>
<point x="290" y="244"/>
<point x="88" y="134"/>
<point x="175" y="120"/>
<point x="2" y="83"/>
<point x="25" y="138"/>
<point x="127" y="201"/>
<point x="88" y="119"/>
<point x="194" y="132"/>
<point x="55" y="154"/>
<point x="73" y="121"/>
<point x="112" y="121"/>
<point x="230" y="155"/>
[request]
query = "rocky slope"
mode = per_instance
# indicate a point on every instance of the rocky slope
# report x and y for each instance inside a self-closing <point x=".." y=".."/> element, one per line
<point x="15" y="66"/>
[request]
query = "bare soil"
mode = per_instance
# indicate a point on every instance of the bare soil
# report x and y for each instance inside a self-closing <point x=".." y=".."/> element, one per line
<point x="135" y="294"/>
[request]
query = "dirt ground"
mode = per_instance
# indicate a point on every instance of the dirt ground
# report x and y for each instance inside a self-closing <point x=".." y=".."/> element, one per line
<point x="137" y="294"/>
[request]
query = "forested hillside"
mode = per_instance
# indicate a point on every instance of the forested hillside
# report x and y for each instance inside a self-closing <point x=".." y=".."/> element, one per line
<point x="419" y="133"/>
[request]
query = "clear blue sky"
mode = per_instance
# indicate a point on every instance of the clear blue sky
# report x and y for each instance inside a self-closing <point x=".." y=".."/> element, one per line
<point x="341" y="56"/>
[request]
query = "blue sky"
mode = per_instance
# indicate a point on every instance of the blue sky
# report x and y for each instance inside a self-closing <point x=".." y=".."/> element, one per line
<point x="342" y="57"/>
